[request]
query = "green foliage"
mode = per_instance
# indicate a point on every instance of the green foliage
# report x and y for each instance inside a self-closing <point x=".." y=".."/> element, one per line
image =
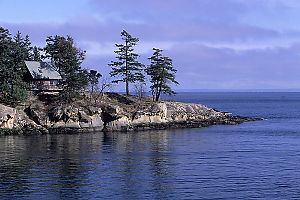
<point x="161" y="74"/>
<point x="13" y="52"/>
<point x="68" y="58"/>
<point x="23" y="50"/>
<point x="126" y="66"/>
<point x="15" y="96"/>
<point x="36" y="54"/>
<point x="93" y="77"/>
<point x="64" y="54"/>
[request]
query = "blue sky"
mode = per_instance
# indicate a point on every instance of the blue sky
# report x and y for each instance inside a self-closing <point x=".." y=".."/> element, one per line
<point x="215" y="44"/>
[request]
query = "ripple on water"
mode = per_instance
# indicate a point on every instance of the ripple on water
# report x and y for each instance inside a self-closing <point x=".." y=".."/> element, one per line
<point x="255" y="160"/>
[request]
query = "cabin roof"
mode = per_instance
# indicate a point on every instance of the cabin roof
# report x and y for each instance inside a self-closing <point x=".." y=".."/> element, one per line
<point x="42" y="70"/>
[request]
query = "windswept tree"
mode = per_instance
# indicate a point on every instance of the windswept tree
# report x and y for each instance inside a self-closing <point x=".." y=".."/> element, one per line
<point x="13" y="53"/>
<point x="93" y="78"/>
<point x="161" y="73"/>
<point x="68" y="58"/>
<point x="126" y="67"/>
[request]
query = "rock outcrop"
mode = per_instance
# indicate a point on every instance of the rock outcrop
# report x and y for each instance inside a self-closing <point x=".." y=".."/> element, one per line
<point x="173" y="115"/>
<point x="7" y="116"/>
<point x="115" y="113"/>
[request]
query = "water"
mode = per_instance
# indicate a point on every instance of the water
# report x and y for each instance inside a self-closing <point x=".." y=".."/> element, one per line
<point x="253" y="160"/>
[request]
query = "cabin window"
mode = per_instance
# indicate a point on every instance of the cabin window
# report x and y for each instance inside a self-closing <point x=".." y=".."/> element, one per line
<point x="51" y="82"/>
<point x="38" y="83"/>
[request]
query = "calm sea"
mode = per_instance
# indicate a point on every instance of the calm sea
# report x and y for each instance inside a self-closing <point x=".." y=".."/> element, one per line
<point x="253" y="160"/>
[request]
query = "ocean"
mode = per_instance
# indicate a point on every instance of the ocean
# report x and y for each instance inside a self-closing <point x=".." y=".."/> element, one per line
<point x="252" y="160"/>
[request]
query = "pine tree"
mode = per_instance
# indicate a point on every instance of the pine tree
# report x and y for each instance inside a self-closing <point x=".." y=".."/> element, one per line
<point x="13" y="53"/>
<point x="22" y="51"/>
<point x="93" y="78"/>
<point x="127" y="67"/>
<point x="36" y="55"/>
<point x="161" y="74"/>
<point x="68" y="58"/>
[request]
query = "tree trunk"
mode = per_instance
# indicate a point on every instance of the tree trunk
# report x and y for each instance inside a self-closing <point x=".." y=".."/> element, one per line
<point x="127" y="85"/>
<point x="91" y="94"/>
<point x="126" y="65"/>
<point x="158" y="94"/>
<point x="153" y="95"/>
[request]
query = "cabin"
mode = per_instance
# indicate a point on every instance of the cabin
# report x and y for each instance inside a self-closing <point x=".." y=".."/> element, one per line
<point x="43" y="77"/>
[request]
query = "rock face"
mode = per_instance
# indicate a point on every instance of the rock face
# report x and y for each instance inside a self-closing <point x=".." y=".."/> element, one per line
<point x="116" y="113"/>
<point x="63" y="118"/>
<point x="172" y="115"/>
<point x="7" y="116"/>
<point x="14" y="119"/>
<point x="72" y="117"/>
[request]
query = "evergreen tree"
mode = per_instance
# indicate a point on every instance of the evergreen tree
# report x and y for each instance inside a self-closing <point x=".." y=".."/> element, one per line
<point x="127" y="67"/>
<point x="68" y="58"/>
<point x="93" y="77"/>
<point x="161" y="73"/>
<point x="13" y="53"/>
<point x="36" y="55"/>
<point x="22" y="51"/>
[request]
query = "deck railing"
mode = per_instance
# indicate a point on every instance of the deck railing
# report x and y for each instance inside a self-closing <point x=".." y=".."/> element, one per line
<point x="45" y="87"/>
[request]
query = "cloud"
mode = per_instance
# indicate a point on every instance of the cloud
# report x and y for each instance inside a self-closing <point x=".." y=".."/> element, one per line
<point x="200" y="66"/>
<point x="214" y="44"/>
<point x="203" y="67"/>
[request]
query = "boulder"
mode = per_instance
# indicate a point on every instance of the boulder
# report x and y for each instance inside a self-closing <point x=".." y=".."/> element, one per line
<point x="83" y="117"/>
<point x="97" y="122"/>
<point x="64" y="113"/>
<point x="71" y="113"/>
<point x="7" y="116"/>
<point x="120" y="124"/>
<point x="94" y="110"/>
<point x="36" y="113"/>
<point x="56" y="113"/>
<point x="72" y="124"/>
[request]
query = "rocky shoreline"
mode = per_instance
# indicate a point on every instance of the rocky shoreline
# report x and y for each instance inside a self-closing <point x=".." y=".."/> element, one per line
<point x="115" y="112"/>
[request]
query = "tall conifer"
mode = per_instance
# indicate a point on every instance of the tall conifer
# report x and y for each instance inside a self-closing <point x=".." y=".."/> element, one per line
<point x="68" y="58"/>
<point x="126" y="66"/>
<point x="13" y="53"/>
<point x="161" y="74"/>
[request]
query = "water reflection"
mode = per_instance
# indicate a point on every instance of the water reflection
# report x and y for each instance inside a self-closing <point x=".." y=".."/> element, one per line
<point x="86" y="166"/>
<point x="232" y="162"/>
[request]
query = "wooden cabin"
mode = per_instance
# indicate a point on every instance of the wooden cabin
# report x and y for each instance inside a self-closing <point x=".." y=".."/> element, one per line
<point x="43" y="77"/>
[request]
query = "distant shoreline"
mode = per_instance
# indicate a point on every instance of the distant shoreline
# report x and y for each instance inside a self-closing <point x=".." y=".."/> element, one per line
<point x="239" y="90"/>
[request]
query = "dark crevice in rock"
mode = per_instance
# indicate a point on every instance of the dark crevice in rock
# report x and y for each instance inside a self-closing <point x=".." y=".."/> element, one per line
<point x="120" y="98"/>
<point x="107" y="117"/>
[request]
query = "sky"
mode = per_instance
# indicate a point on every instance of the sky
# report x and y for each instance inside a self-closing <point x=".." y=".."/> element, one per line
<point x="214" y="44"/>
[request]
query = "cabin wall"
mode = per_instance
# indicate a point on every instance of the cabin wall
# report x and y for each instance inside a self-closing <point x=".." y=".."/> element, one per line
<point x="44" y="85"/>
